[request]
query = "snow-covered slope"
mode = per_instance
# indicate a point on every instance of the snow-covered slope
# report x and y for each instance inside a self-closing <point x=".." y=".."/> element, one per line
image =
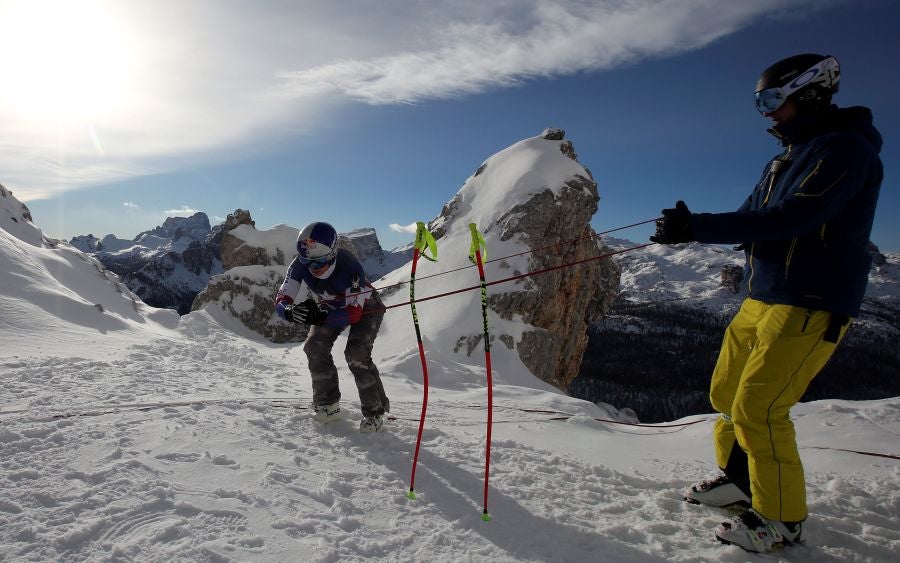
<point x="128" y="435"/>
<point x="53" y="291"/>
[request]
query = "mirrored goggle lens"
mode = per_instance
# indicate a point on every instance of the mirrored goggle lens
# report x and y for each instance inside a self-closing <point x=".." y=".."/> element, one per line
<point x="317" y="262"/>
<point x="769" y="100"/>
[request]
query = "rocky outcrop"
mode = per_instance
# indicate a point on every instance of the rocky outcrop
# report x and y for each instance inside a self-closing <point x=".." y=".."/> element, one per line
<point x="246" y="290"/>
<point x="561" y="304"/>
<point x="364" y="244"/>
<point x="248" y="294"/>
<point x="878" y="259"/>
<point x="234" y="251"/>
<point x="732" y="276"/>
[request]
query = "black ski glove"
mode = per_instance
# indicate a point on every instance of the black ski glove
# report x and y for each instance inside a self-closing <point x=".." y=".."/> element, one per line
<point x="675" y="225"/>
<point x="307" y="312"/>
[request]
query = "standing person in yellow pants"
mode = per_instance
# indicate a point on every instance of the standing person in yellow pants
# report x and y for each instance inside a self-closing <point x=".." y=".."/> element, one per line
<point x="805" y="230"/>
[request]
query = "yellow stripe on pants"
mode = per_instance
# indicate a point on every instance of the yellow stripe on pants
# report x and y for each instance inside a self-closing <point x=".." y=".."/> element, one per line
<point x="769" y="355"/>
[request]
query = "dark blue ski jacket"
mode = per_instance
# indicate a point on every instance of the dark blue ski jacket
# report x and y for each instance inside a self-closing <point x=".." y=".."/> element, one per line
<point x="805" y="228"/>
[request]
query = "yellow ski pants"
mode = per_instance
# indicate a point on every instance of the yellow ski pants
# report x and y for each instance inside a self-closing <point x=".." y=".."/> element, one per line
<point x="769" y="355"/>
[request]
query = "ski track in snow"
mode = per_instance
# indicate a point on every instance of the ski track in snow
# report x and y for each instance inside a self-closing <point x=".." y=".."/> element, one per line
<point x="258" y="480"/>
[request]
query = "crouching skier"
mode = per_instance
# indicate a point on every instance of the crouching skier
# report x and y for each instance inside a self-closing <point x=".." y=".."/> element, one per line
<point x="336" y="278"/>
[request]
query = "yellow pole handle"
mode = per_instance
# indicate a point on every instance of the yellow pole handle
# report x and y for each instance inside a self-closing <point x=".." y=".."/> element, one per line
<point x="425" y="241"/>
<point x="478" y="243"/>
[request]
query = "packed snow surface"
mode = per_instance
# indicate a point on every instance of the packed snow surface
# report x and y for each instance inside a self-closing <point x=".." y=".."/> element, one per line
<point x="196" y="444"/>
<point x="130" y="434"/>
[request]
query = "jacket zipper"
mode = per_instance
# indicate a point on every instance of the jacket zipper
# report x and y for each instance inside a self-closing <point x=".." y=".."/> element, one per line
<point x="806" y="320"/>
<point x="790" y="255"/>
<point x="774" y="170"/>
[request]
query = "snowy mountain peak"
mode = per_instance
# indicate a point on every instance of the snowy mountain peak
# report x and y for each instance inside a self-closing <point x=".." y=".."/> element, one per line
<point x="15" y="219"/>
<point x="195" y="227"/>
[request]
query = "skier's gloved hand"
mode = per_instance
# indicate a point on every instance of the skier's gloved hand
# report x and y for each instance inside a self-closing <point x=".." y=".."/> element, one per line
<point x="675" y="225"/>
<point x="307" y="312"/>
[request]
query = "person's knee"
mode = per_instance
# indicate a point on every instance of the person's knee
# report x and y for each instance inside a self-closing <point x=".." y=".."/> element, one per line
<point x="357" y="352"/>
<point x="750" y="427"/>
<point x="719" y="402"/>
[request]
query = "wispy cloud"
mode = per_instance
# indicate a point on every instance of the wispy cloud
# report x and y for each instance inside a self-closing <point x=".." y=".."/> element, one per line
<point x="183" y="211"/>
<point x="155" y="101"/>
<point x="130" y="205"/>
<point x="525" y="40"/>
<point x="398" y="228"/>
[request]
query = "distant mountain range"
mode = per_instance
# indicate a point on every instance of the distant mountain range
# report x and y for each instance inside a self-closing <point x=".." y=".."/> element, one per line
<point x="166" y="266"/>
<point x="169" y="265"/>
<point x="674" y="304"/>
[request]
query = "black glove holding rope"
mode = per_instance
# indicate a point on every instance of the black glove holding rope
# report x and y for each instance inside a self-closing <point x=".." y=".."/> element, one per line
<point x="675" y="225"/>
<point x="307" y="312"/>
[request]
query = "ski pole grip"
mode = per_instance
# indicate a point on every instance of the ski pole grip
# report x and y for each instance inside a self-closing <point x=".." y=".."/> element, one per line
<point x="478" y="243"/>
<point x="425" y="241"/>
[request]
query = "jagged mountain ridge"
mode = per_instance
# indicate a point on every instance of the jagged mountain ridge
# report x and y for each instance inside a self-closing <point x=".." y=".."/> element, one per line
<point x="167" y="265"/>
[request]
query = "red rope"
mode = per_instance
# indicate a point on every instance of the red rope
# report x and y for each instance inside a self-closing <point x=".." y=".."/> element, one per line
<point x="520" y="276"/>
<point x="531" y="251"/>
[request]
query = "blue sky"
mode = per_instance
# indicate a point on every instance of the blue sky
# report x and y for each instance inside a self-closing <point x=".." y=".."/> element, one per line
<point x="115" y="115"/>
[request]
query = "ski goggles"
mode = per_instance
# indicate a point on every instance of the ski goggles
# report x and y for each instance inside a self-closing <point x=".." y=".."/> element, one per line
<point x="318" y="261"/>
<point x="771" y="99"/>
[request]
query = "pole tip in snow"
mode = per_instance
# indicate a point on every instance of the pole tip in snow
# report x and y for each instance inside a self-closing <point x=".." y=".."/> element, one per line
<point x="411" y="495"/>
<point x="486" y="517"/>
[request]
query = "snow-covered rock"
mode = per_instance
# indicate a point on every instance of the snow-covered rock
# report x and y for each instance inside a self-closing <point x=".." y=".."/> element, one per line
<point x="525" y="200"/>
<point x="375" y="260"/>
<point x="15" y="218"/>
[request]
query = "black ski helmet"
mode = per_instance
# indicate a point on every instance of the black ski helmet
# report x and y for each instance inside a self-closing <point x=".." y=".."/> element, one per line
<point x="809" y="78"/>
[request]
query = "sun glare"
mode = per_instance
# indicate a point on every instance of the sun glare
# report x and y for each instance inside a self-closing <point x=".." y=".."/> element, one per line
<point x="63" y="61"/>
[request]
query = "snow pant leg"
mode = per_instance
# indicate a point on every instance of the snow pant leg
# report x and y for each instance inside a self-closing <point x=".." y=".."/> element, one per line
<point x="321" y="365"/>
<point x="358" y="353"/>
<point x="740" y="337"/>
<point x="789" y="352"/>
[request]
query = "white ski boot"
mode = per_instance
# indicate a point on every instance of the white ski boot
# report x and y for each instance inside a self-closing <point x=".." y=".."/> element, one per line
<point x="327" y="413"/>
<point x="372" y="424"/>
<point x="716" y="491"/>
<point x="754" y="532"/>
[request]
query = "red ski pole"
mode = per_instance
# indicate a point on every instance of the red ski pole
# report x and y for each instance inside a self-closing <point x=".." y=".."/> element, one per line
<point x="475" y="255"/>
<point x="424" y="240"/>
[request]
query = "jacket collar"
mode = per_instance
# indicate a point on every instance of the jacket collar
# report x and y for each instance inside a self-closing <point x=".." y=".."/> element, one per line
<point x="804" y="126"/>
